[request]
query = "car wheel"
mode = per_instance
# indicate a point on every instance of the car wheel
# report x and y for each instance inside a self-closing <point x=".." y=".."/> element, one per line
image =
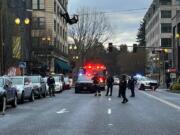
<point x="45" y="94"/>
<point x="39" y="93"/>
<point x="32" y="97"/>
<point x="3" y="106"/>
<point x="76" y="91"/>
<point x="142" y="87"/>
<point x="14" y="103"/>
<point x="22" y="98"/>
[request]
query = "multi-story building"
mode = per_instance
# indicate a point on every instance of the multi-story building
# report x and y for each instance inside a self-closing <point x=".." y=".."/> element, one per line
<point x="15" y="35"/>
<point x="176" y="41"/>
<point x="49" y="35"/>
<point x="159" y="33"/>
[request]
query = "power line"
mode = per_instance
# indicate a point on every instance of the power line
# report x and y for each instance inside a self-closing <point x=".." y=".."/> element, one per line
<point x="119" y="11"/>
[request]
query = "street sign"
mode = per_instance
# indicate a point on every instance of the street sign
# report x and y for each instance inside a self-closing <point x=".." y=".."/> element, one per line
<point x="22" y="64"/>
<point x="173" y="75"/>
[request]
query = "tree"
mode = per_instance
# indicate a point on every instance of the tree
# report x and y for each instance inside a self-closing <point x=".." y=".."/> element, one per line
<point x="141" y="35"/>
<point x="91" y="29"/>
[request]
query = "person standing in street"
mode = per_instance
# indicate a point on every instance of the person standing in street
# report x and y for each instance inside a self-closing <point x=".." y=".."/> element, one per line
<point x="168" y="81"/>
<point x="123" y="86"/>
<point x="51" y="84"/>
<point x="131" y="85"/>
<point x="96" y="85"/>
<point x="110" y="82"/>
<point x="120" y="87"/>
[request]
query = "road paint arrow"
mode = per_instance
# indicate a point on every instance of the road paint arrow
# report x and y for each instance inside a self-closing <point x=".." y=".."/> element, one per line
<point x="62" y="111"/>
<point x="109" y="111"/>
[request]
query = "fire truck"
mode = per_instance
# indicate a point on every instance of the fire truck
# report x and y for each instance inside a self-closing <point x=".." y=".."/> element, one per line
<point x="91" y="69"/>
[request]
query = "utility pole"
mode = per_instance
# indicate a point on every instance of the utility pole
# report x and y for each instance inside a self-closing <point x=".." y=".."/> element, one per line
<point x="1" y="40"/>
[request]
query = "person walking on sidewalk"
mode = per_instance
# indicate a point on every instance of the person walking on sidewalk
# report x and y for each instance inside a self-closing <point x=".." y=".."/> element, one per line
<point x="123" y="86"/>
<point x="110" y="82"/>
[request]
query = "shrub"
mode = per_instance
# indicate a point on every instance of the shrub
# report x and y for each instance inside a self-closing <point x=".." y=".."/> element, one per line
<point x="176" y="86"/>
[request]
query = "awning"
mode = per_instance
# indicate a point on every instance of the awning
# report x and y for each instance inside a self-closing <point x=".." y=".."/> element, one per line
<point x="62" y="65"/>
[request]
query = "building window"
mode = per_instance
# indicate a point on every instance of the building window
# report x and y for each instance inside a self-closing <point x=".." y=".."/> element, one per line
<point x="38" y="23"/>
<point x="166" y="42"/>
<point x="55" y="42"/>
<point x="36" y="41"/>
<point x="58" y="28"/>
<point x="55" y="6"/>
<point x="166" y="28"/>
<point x="165" y="14"/>
<point x="165" y="2"/>
<point x="177" y="2"/>
<point x="55" y="25"/>
<point x="38" y="4"/>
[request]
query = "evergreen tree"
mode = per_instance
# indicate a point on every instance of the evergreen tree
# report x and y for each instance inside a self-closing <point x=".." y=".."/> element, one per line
<point x="141" y="35"/>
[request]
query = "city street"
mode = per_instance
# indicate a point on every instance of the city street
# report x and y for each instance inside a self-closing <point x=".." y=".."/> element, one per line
<point x="149" y="113"/>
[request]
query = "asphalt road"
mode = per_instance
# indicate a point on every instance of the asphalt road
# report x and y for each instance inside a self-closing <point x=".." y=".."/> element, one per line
<point x="149" y="113"/>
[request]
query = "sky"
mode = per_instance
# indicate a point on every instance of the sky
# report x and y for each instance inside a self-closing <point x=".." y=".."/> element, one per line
<point x="124" y="24"/>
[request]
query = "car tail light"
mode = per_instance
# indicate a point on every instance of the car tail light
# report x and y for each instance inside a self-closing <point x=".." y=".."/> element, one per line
<point x="101" y="79"/>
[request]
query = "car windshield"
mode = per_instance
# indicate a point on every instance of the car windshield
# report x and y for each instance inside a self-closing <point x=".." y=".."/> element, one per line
<point x="56" y="78"/>
<point x="84" y="79"/>
<point x="17" y="81"/>
<point x="1" y="82"/>
<point x="35" y="79"/>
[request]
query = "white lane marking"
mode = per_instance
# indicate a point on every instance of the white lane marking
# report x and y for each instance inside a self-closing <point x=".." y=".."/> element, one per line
<point x="109" y="99"/>
<point x="162" y="101"/>
<point x="110" y="124"/>
<point x="62" y="111"/>
<point x="109" y="111"/>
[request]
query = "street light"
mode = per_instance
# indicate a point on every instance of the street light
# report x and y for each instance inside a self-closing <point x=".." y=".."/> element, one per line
<point x="17" y="21"/>
<point x="75" y="47"/>
<point x="27" y="21"/>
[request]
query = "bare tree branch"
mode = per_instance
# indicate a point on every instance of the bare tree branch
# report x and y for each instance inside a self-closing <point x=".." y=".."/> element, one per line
<point x="92" y="28"/>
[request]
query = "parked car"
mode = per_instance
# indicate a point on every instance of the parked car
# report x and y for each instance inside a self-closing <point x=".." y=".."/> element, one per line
<point x="144" y="83"/>
<point x="66" y="84"/>
<point x="84" y="84"/>
<point x="116" y="81"/>
<point x="39" y="86"/>
<point x="8" y="93"/>
<point x="58" y="84"/>
<point x="24" y="88"/>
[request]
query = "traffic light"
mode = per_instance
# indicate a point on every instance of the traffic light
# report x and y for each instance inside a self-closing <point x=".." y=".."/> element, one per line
<point x="135" y="47"/>
<point x="110" y="47"/>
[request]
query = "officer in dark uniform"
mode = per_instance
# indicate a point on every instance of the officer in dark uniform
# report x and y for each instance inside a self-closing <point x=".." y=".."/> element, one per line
<point x="123" y="86"/>
<point x="131" y="84"/>
<point x="120" y="88"/>
<point x="51" y="84"/>
<point x="96" y="85"/>
<point x="110" y="82"/>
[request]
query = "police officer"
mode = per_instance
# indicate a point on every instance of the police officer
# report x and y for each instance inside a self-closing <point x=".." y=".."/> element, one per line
<point x="51" y="84"/>
<point x="110" y="82"/>
<point x="131" y="84"/>
<point x="120" y="87"/>
<point x="123" y="86"/>
<point x="96" y="85"/>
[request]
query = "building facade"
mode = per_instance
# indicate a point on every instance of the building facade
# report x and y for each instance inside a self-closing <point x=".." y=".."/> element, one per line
<point x="176" y="42"/>
<point x="159" y="34"/>
<point x="15" y="35"/>
<point x="49" y="35"/>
